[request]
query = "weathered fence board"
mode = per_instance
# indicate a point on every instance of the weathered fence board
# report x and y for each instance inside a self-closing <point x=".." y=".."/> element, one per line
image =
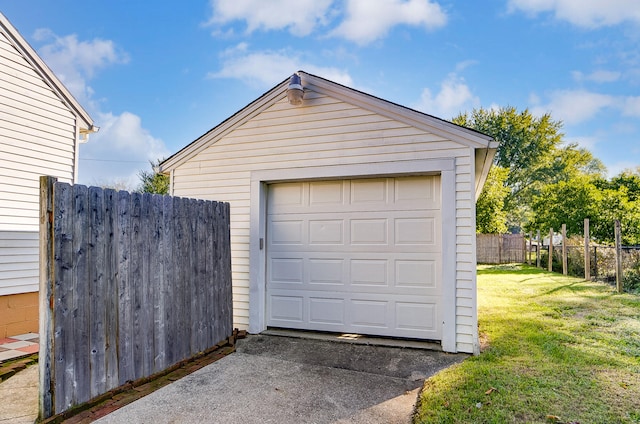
<point x="500" y="248"/>
<point x="130" y="285"/>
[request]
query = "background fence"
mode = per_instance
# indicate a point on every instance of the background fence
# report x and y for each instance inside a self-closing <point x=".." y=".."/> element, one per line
<point x="580" y="257"/>
<point x="130" y="285"/>
<point x="500" y="248"/>
<point x="602" y="263"/>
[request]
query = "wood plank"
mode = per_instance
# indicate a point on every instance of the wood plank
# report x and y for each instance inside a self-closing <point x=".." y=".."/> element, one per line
<point x="201" y="278"/>
<point x="193" y="283"/>
<point x="81" y="298"/>
<point x="225" y="243"/>
<point x="125" y="301"/>
<point x="111" y="289"/>
<point x="157" y="245"/>
<point x="97" y="295"/>
<point x="147" y="306"/>
<point x="183" y="247"/>
<point x="64" y="351"/>
<point x="170" y="273"/>
<point x="211" y="259"/>
<point x="135" y="283"/>
<point x="46" y="363"/>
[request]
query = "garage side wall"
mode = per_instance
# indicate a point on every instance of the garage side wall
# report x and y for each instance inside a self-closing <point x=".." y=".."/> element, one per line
<point x="327" y="132"/>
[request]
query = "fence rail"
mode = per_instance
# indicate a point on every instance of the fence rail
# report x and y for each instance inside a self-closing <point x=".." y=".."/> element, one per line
<point x="130" y="284"/>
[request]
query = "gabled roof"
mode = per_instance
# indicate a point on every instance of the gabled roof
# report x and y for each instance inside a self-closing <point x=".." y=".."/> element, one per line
<point x="84" y="120"/>
<point x="432" y="124"/>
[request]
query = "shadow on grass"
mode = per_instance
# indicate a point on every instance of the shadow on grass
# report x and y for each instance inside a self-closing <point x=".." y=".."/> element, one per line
<point x="510" y="269"/>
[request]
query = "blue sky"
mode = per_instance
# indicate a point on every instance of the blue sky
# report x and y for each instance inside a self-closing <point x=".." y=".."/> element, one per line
<point x="157" y="75"/>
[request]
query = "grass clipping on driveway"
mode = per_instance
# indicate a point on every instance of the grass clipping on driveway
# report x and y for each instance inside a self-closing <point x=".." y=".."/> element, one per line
<point x="555" y="349"/>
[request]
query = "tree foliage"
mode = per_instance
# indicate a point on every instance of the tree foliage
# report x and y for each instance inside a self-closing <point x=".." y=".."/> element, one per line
<point x="539" y="181"/>
<point x="491" y="217"/>
<point x="153" y="182"/>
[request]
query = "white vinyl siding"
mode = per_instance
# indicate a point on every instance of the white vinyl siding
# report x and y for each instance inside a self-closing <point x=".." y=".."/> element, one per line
<point x="18" y="262"/>
<point x="37" y="137"/>
<point x="324" y="132"/>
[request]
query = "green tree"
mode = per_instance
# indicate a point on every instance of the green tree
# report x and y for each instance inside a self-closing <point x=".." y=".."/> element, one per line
<point x="491" y="217"/>
<point x="629" y="178"/>
<point x="527" y="148"/>
<point x="567" y="202"/>
<point x="617" y="205"/>
<point x="152" y="181"/>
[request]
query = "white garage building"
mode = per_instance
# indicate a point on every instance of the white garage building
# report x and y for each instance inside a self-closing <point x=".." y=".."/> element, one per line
<point x="349" y="213"/>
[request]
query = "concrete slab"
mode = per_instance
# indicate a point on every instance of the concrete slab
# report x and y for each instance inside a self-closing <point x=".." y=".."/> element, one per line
<point x="19" y="397"/>
<point x="272" y="379"/>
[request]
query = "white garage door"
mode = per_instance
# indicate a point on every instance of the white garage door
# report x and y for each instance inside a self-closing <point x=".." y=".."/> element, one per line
<point x="356" y="256"/>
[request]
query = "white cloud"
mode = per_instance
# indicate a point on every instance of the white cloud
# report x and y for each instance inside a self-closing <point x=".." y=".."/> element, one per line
<point x="574" y="106"/>
<point x="583" y="13"/>
<point x="119" y="150"/>
<point x="75" y="62"/>
<point x="454" y="97"/>
<point x="300" y="17"/>
<point x="631" y="106"/>
<point x="267" y="68"/>
<point x="577" y="106"/>
<point x="122" y="146"/>
<point x="367" y="21"/>
<point x="599" y="76"/>
<point x="617" y="167"/>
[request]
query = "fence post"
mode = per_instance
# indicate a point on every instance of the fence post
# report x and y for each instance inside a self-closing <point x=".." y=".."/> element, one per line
<point x="564" y="249"/>
<point x="587" y="256"/>
<point x="46" y="296"/>
<point x="538" y="249"/>
<point x="550" y="249"/>
<point x="618" y="256"/>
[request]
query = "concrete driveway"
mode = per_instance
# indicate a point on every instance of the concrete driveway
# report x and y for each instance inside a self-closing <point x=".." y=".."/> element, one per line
<point x="274" y="379"/>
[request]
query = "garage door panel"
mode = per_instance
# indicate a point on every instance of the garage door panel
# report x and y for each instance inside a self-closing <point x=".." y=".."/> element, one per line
<point x="287" y="270"/>
<point x="286" y="309"/>
<point x="369" y="191"/>
<point x="326" y="271"/>
<point x="369" y="272"/>
<point x="416" y="273"/>
<point x="369" y="231"/>
<point x="287" y="232"/>
<point x="415" y="316"/>
<point x="326" y="193"/>
<point x="421" y="231"/>
<point x="418" y="192"/>
<point x="369" y="313"/>
<point x="359" y="256"/>
<point x="323" y="231"/>
<point x="324" y="310"/>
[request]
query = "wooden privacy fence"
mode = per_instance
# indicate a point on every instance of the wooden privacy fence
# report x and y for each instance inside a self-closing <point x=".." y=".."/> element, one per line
<point x="130" y="284"/>
<point x="500" y="248"/>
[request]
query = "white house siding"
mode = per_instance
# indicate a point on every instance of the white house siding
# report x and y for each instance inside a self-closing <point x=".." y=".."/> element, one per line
<point x="325" y="132"/>
<point x="37" y="137"/>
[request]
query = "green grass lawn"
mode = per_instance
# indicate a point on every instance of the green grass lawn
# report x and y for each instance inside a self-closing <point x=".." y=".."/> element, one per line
<point x="555" y="349"/>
